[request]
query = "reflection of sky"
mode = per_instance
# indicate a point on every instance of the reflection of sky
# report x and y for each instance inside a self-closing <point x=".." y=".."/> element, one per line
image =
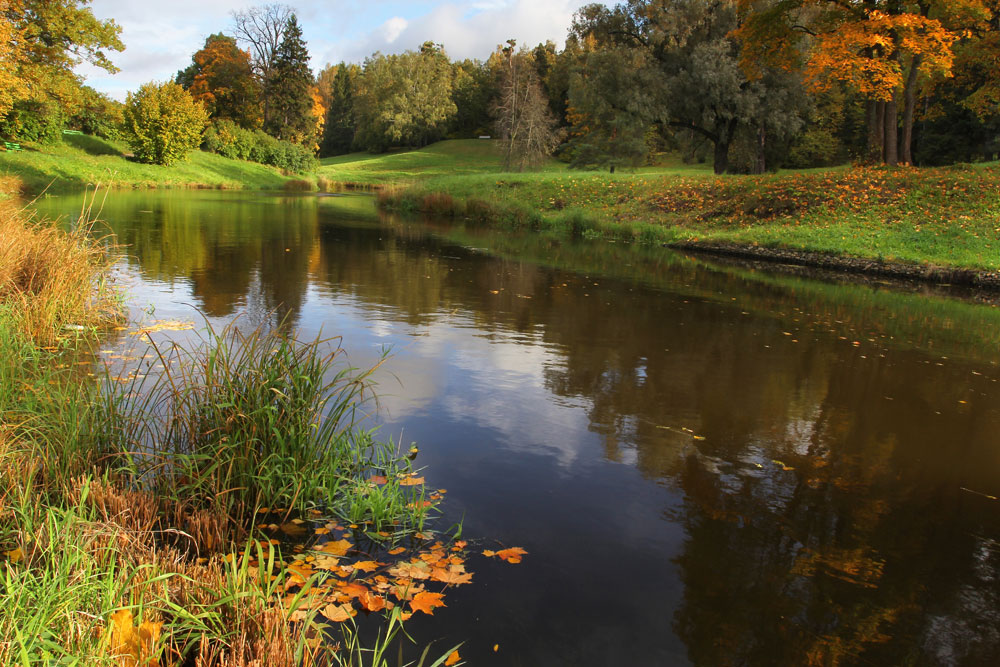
<point x="450" y="363"/>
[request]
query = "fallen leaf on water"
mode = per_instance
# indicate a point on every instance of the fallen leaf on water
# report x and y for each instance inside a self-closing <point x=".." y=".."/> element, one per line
<point x="378" y="479"/>
<point x="426" y="602"/>
<point x="512" y="555"/>
<point x="397" y="551"/>
<point x="336" y="548"/>
<point x="411" y="481"/>
<point x="371" y="602"/>
<point x="489" y="553"/>
<point x="338" y="613"/>
<point x="452" y="659"/>
<point x="366" y="566"/>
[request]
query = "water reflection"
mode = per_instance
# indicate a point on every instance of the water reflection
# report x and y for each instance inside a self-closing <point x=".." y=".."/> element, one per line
<point x="713" y="465"/>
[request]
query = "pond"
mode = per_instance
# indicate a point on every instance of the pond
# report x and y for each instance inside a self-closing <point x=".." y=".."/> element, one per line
<point x="707" y="464"/>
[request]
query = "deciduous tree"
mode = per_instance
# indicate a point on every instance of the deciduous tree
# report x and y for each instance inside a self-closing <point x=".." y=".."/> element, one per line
<point x="221" y="77"/>
<point x="524" y="123"/>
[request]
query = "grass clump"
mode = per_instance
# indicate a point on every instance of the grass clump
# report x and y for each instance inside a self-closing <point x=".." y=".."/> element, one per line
<point x="253" y="419"/>
<point x="51" y="279"/>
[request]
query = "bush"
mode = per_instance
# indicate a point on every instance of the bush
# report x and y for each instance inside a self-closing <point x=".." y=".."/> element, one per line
<point x="230" y="140"/>
<point x="33" y="121"/>
<point x="163" y="122"/>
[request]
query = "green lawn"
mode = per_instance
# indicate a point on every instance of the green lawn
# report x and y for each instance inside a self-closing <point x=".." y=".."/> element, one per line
<point x="81" y="160"/>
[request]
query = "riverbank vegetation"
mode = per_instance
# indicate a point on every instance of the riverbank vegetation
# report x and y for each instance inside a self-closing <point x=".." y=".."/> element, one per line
<point x="945" y="216"/>
<point x="144" y="511"/>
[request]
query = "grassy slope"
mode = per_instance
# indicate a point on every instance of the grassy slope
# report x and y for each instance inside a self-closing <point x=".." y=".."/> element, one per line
<point x="83" y="160"/>
<point x="943" y="216"/>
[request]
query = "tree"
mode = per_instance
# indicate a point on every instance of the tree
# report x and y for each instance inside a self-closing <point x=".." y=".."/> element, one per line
<point x="337" y="84"/>
<point x="290" y="90"/>
<point x="262" y="30"/>
<point x="524" y="123"/>
<point x="692" y="47"/>
<point x="163" y="122"/>
<point x="404" y="99"/>
<point x="609" y="109"/>
<point x="220" y="76"/>
<point x="881" y="48"/>
<point x="472" y="90"/>
<point x="42" y="42"/>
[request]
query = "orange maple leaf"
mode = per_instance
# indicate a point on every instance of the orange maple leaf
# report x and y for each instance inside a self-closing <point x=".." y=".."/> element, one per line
<point x="338" y="613"/>
<point x="426" y="602"/>
<point x="453" y="658"/>
<point x="512" y="555"/>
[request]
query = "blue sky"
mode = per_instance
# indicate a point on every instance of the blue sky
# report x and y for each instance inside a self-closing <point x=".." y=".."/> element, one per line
<point x="161" y="36"/>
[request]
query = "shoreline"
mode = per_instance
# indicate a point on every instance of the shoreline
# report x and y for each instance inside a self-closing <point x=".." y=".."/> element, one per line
<point x="846" y="264"/>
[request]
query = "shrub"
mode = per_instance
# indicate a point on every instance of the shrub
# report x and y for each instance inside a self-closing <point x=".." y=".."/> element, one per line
<point x="163" y="123"/>
<point x="33" y="121"/>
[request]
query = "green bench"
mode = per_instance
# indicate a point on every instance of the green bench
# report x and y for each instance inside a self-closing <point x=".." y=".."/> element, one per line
<point x="11" y="146"/>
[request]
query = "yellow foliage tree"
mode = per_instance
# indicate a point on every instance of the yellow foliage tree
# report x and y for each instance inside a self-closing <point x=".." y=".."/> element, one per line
<point x="11" y="46"/>
<point x="881" y="49"/>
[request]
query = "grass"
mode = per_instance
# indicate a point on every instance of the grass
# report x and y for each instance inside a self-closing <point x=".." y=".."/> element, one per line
<point x="82" y="160"/>
<point x="942" y="216"/>
<point x="127" y="511"/>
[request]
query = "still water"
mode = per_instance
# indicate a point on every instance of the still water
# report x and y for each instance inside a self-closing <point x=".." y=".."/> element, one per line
<point x="708" y="465"/>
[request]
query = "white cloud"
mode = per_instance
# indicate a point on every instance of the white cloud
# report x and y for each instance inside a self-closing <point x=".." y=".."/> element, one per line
<point x="393" y="28"/>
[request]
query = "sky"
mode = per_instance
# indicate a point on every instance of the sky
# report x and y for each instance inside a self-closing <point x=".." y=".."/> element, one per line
<point x="161" y="38"/>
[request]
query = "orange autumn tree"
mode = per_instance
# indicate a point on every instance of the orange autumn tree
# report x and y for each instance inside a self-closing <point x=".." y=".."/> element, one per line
<point x="881" y="49"/>
<point x="221" y="78"/>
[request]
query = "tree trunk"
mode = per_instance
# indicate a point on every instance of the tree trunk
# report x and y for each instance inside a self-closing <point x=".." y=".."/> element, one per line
<point x="878" y="150"/>
<point x="725" y="138"/>
<point x="761" y="165"/>
<point x="874" y="120"/>
<point x="910" y="104"/>
<point x="891" y="134"/>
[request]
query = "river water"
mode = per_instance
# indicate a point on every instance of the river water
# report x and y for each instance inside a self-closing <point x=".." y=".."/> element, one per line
<point x="708" y="464"/>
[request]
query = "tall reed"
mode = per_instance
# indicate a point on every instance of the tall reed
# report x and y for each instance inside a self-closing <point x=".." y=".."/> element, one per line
<point x="53" y="278"/>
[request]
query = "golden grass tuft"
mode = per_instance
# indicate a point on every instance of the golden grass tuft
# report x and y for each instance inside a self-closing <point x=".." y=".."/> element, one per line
<point x="51" y="278"/>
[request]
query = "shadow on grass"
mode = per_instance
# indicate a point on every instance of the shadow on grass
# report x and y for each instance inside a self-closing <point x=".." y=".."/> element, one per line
<point x="91" y="145"/>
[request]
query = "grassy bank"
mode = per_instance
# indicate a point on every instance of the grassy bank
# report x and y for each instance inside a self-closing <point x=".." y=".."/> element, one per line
<point x="943" y="216"/>
<point x="140" y="515"/>
<point x="81" y="160"/>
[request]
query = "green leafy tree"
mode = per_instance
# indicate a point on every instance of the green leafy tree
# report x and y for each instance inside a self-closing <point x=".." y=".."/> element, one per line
<point x="609" y="108"/>
<point x="163" y="123"/>
<point x="692" y="49"/>
<point x="404" y="99"/>
<point x="289" y="90"/>
<point x="336" y="85"/>
<point x="473" y="89"/>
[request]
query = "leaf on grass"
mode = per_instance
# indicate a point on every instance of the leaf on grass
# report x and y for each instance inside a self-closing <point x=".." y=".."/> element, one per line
<point x="14" y="555"/>
<point x="426" y="602"/>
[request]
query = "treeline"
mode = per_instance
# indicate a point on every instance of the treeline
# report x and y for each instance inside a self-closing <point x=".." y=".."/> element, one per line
<point x="746" y="85"/>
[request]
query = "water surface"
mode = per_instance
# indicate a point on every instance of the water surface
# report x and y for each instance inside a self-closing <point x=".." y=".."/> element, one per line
<point x="708" y="465"/>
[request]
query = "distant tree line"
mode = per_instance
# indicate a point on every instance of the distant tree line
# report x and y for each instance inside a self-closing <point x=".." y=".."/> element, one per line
<point x="746" y="85"/>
